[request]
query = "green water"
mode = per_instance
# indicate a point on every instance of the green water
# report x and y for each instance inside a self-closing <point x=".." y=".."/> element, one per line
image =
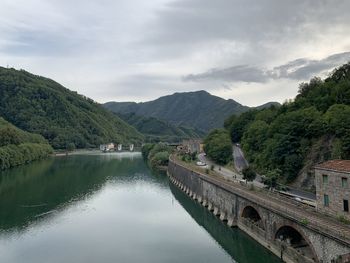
<point x="109" y="208"/>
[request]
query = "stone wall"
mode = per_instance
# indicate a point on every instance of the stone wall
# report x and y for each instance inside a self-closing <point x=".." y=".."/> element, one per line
<point x="229" y="204"/>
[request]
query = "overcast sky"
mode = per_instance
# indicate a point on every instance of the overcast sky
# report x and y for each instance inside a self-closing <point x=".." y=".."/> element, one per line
<point x="252" y="51"/>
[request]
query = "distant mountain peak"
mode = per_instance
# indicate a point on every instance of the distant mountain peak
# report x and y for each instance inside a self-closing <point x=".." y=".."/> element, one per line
<point x="198" y="109"/>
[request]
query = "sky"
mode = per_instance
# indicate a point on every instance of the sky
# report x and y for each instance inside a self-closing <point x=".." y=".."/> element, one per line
<point x="252" y="51"/>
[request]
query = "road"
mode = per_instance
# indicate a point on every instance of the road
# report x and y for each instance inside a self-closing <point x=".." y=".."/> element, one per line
<point x="226" y="173"/>
<point x="302" y="194"/>
<point x="240" y="163"/>
<point x="239" y="160"/>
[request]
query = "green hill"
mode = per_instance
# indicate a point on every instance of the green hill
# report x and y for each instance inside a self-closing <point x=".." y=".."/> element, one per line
<point x="19" y="147"/>
<point x="199" y="110"/>
<point x="287" y="141"/>
<point x="40" y="105"/>
<point x="156" y="130"/>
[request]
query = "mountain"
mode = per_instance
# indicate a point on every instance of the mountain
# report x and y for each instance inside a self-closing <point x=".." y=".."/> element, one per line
<point x="156" y="130"/>
<point x="18" y="147"/>
<point x="41" y="105"/>
<point x="268" y="105"/>
<point x="199" y="109"/>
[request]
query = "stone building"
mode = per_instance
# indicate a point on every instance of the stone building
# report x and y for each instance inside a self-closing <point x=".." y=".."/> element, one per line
<point x="107" y="147"/>
<point x="193" y="145"/>
<point x="333" y="187"/>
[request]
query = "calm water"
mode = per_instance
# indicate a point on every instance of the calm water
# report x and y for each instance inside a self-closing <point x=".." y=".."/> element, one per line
<point x="109" y="208"/>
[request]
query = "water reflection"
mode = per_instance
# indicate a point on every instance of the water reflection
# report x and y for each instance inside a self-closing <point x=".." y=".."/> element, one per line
<point x="109" y="208"/>
<point x="31" y="192"/>
<point x="235" y="242"/>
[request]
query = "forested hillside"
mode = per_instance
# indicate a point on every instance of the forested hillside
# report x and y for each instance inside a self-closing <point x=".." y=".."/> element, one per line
<point x="19" y="147"/>
<point x="40" y="105"/>
<point x="199" y="110"/>
<point x="284" y="142"/>
<point x="156" y="130"/>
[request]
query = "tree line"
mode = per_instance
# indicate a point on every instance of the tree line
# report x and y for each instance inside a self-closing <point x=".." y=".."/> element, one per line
<point x="18" y="147"/>
<point x="314" y="127"/>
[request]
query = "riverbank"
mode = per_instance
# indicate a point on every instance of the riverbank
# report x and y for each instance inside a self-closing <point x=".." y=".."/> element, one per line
<point x="15" y="155"/>
<point x="157" y="155"/>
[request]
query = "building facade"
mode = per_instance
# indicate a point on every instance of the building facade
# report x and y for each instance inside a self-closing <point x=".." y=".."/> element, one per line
<point x="107" y="147"/>
<point x="333" y="188"/>
<point x="192" y="145"/>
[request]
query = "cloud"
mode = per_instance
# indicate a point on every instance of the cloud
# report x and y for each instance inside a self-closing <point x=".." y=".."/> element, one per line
<point x="299" y="69"/>
<point x="302" y="69"/>
<point x="184" y="26"/>
<point x="240" y="73"/>
<point x="139" y="50"/>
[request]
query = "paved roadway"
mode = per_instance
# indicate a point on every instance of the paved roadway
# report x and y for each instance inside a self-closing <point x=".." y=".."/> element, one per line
<point x="239" y="160"/>
<point x="240" y="163"/>
<point x="226" y="173"/>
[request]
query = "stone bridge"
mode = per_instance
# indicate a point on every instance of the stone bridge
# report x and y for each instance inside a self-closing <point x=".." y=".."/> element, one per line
<point x="294" y="233"/>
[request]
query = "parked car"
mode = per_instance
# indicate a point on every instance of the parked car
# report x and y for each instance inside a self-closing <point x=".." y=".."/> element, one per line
<point x="199" y="163"/>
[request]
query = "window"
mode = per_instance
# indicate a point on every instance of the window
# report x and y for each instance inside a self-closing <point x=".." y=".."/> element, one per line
<point x="344" y="182"/>
<point x="325" y="178"/>
<point x="346" y="205"/>
<point x="326" y="200"/>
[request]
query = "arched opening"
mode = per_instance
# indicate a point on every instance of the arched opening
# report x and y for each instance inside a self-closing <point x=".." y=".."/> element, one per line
<point x="291" y="238"/>
<point x="252" y="217"/>
<point x="250" y="213"/>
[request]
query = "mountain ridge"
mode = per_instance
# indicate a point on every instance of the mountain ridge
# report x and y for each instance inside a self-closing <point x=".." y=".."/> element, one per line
<point x="156" y="130"/>
<point x="198" y="109"/>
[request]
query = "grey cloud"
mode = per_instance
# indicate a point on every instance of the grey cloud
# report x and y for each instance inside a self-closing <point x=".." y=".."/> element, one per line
<point x="299" y="69"/>
<point x="41" y="43"/>
<point x="302" y="69"/>
<point x="193" y="21"/>
<point x="240" y="73"/>
<point x="135" y="47"/>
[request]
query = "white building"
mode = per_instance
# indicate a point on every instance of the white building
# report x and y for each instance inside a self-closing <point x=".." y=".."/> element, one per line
<point x="107" y="147"/>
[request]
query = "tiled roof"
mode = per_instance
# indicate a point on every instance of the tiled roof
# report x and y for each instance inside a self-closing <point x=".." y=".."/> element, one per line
<point x="337" y="165"/>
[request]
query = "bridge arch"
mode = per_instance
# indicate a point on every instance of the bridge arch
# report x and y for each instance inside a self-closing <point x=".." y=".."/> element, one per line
<point x="294" y="238"/>
<point x="251" y="213"/>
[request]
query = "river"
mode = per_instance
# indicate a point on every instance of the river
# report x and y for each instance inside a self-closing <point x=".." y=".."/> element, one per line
<point x="110" y="208"/>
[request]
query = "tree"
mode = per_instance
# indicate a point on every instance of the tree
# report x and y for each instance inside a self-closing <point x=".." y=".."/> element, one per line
<point x="70" y="147"/>
<point x="238" y="125"/>
<point x="249" y="174"/>
<point x="272" y="177"/>
<point x="160" y="159"/>
<point x="337" y="119"/>
<point x="145" y="150"/>
<point x="218" y="147"/>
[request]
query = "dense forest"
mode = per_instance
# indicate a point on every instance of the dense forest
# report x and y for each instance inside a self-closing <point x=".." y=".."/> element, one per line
<point x="156" y="130"/>
<point x="217" y="146"/>
<point x="19" y="147"/>
<point x="156" y="155"/>
<point x="65" y="118"/>
<point x="285" y="142"/>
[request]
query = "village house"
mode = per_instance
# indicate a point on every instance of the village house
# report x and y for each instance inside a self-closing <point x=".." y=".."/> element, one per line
<point x="192" y="145"/>
<point x="332" y="180"/>
<point x="107" y="147"/>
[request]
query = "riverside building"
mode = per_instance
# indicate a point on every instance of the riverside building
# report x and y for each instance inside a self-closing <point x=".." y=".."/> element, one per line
<point x="333" y="188"/>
